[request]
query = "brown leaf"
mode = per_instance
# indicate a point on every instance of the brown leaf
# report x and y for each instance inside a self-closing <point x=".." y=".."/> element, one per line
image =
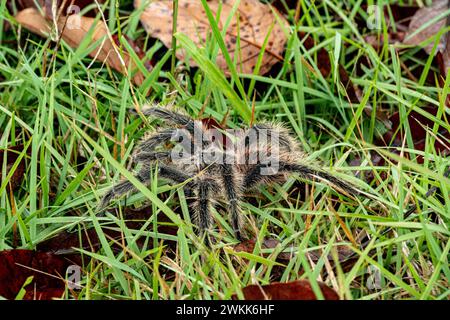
<point x="323" y="58"/>
<point x="296" y="290"/>
<point x="377" y="41"/>
<point x="249" y="246"/>
<point x="74" y="29"/>
<point x="343" y="255"/>
<point x="31" y="19"/>
<point x="22" y="4"/>
<point x="12" y="154"/>
<point x="64" y="242"/>
<point x="355" y="95"/>
<point x="47" y="271"/>
<point x="422" y="16"/>
<point x="419" y="126"/>
<point x="252" y="22"/>
<point x="284" y="257"/>
<point x="63" y="7"/>
<point x="68" y="7"/>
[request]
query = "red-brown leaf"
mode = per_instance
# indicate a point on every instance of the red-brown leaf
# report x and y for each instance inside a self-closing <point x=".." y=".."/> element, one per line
<point x="64" y="242"/>
<point x="420" y="17"/>
<point x="12" y="154"/>
<point x="323" y="59"/>
<point x="296" y="290"/>
<point x="47" y="270"/>
<point x="418" y="125"/>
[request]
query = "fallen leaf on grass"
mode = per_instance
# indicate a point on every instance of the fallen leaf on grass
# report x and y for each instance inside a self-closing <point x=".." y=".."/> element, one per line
<point x="252" y="23"/>
<point x="67" y="7"/>
<point x="323" y="58"/>
<point x="397" y="18"/>
<point x="47" y="270"/>
<point x="11" y="154"/>
<point x="355" y="95"/>
<point x="422" y="16"/>
<point x="60" y="6"/>
<point x="344" y="254"/>
<point x="65" y="242"/>
<point x="314" y="255"/>
<point x="419" y="126"/>
<point x="296" y="290"/>
<point x="377" y="41"/>
<point x="249" y="246"/>
<point x="74" y="29"/>
<point x="413" y="37"/>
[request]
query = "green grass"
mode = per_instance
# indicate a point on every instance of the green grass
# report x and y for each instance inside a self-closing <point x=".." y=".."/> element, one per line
<point x="74" y="117"/>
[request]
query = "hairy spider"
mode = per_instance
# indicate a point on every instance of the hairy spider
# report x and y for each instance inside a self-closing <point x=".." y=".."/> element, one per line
<point x="214" y="164"/>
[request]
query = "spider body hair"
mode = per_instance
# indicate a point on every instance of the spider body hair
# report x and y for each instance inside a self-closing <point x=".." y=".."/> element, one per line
<point x="210" y="170"/>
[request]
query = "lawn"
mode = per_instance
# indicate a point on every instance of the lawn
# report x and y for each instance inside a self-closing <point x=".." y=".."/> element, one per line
<point x="364" y="106"/>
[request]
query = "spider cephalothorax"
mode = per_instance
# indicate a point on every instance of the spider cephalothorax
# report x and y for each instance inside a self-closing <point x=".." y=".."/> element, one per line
<point x="219" y="164"/>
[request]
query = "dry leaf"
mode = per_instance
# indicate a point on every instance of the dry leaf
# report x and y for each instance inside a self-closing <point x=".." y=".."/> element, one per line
<point x="48" y="272"/>
<point x="68" y="7"/>
<point x="12" y="153"/>
<point x="252" y="22"/>
<point x="64" y="242"/>
<point x="284" y="257"/>
<point x="31" y="19"/>
<point x="295" y="290"/>
<point x="422" y="16"/>
<point x="75" y="28"/>
<point x="323" y="59"/>
<point x="49" y="7"/>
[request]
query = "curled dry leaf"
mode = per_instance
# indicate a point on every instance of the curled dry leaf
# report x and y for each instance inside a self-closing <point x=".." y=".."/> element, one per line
<point x="422" y="16"/>
<point x="296" y="290"/>
<point x="74" y="29"/>
<point x="251" y="22"/>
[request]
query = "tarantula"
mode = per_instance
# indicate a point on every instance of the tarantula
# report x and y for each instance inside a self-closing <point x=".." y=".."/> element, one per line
<point x="213" y="163"/>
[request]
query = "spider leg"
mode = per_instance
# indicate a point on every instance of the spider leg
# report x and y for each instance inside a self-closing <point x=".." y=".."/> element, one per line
<point x="254" y="177"/>
<point x="194" y="127"/>
<point x="232" y="193"/>
<point x="169" y="116"/>
<point x="268" y="129"/>
<point x="157" y="138"/>
<point x="310" y="173"/>
<point x="177" y="176"/>
<point x="151" y="156"/>
<point x="125" y="186"/>
<point x="143" y="176"/>
<point x="181" y="137"/>
<point x="202" y="207"/>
